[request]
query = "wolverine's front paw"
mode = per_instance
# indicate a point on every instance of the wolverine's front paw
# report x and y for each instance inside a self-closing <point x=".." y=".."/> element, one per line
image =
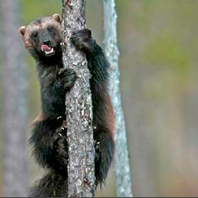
<point x="68" y="77"/>
<point x="83" y="40"/>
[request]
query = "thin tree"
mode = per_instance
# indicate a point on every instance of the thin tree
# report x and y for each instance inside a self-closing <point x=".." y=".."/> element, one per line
<point x="14" y="100"/>
<point x="81" y="177"/>
<point x="122" y="165"/>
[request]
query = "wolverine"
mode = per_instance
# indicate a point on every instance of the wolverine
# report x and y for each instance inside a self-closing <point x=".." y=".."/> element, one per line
<point x="43" y="38"/>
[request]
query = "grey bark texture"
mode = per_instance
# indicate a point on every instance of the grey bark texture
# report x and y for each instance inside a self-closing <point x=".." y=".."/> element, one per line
<point x="81" y="168"/>
<point x="14" y="100"/>
<point x="122" y="165"/>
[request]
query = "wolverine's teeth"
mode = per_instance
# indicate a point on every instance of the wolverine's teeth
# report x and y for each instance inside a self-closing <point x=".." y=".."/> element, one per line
<point x="49" y="52"/>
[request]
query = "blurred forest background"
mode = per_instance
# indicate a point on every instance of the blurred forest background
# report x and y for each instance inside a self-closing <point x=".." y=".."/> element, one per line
<point x="158" y="42"/>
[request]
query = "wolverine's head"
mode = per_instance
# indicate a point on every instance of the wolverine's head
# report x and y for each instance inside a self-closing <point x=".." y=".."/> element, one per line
<point x="42" y="37"/>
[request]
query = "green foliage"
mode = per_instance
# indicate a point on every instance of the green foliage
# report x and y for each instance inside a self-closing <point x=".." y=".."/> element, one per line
<point x="164" y="50"/>
<point x="36" y="9"/>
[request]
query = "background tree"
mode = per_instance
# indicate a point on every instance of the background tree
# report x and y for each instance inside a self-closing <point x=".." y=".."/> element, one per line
<point x="81" y="175"/>
<point x="122" y="165"/>
<point x="14" y="100"/>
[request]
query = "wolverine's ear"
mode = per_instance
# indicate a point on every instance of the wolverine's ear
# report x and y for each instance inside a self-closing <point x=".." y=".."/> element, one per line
<point x="22" y="30"/>
<point x="57" y="17"/>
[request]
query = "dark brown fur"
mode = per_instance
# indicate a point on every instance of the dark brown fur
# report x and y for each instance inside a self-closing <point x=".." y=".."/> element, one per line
<point x="49" y="138"/>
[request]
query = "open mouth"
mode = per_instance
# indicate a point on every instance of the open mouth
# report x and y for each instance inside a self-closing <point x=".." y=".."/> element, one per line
<point x="49" y="51"/>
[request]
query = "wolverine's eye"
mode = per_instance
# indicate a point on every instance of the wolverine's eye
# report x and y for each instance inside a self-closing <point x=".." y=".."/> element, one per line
<point x="34" y="35"/>
<point x="51" y="30"/>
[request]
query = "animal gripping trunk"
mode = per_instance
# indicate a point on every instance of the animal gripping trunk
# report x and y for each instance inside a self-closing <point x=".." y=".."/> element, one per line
<point x="81" y="177"/>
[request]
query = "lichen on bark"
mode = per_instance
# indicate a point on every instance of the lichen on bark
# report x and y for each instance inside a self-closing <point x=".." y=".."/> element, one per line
<point x="81" y="176"/>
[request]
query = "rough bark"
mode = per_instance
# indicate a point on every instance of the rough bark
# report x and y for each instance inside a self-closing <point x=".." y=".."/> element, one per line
<point x="14" y="100"/>
<point x="122" y="165"/>
<point x="81" y="177"/>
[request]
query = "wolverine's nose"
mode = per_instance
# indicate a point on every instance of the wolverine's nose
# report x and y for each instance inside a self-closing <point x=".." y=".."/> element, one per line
<point x="46" y="42"/>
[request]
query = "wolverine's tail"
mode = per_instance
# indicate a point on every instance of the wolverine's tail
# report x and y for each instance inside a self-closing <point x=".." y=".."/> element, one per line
<point x="51" y="185"/>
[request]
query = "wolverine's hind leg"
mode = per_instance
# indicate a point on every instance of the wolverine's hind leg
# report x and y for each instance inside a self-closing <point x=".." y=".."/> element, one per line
<point x="104" y="149"/>
<point x="49" y="145"/>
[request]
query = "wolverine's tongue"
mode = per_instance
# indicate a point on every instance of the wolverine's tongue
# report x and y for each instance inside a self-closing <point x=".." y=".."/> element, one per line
<point x="45" y="48"/>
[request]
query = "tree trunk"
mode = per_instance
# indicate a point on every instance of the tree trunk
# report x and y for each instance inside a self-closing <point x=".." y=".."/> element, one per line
<point x="81" y="177"/>
<point x="14" y="100"/>
<point x="122" y="165"/>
